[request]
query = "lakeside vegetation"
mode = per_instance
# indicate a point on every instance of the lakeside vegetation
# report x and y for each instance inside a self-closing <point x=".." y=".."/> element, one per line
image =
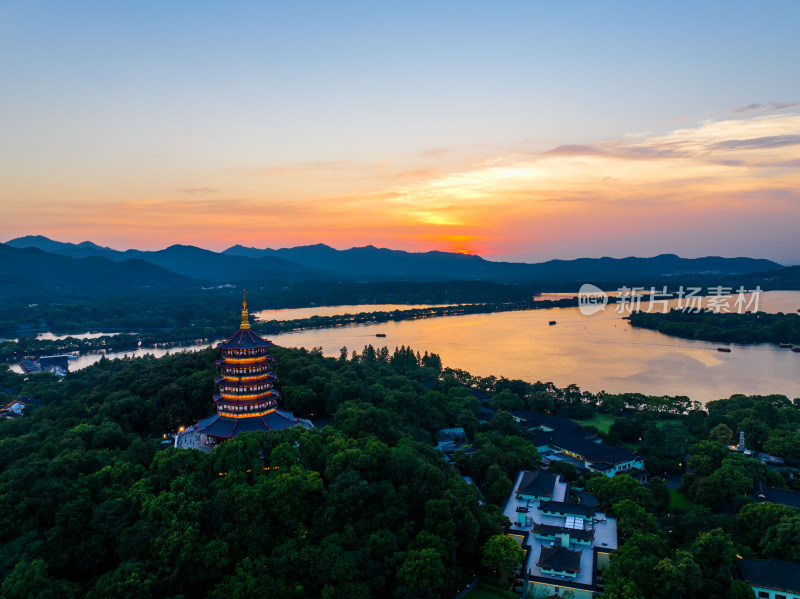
<point x="203" y="331"/>
<point x="759" y="327"/>
<point x="155" y="309"/>
<point x="92" y="506"/>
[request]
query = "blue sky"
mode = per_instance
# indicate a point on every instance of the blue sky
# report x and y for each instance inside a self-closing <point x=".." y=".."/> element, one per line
<point x="117" y="116"/>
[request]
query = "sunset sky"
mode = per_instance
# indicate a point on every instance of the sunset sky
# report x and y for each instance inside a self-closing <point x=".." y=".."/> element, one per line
<point x="515" y="130"/>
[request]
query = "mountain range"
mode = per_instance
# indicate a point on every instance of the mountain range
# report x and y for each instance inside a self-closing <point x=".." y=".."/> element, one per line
<point x="36" y="261"/>
<point x="31" y="268"/>
<point x="372" y="262"/>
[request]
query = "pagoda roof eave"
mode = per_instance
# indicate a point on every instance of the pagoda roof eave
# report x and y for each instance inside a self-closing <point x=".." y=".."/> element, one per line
<point x="233" y="400"/>
<point x="225" y="427"/>
<point x="266" y="377"/>
<point x="245" y="339"/>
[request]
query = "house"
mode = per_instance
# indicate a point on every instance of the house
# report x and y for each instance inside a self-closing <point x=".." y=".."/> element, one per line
<point x="770" y="578"/>
<point x="537" y="485"/>
<point x="565" y="534"/>
<point x="17" y="407"/>
<point x="451" y="439"/>
<point x="774" y="495"/>
<point x="560" y="561"/>
<point x="485" y="413"/>
<point x="528" y="420"/>
<point x="565" y="509"/>
<point x="566" y="544"/>
<point x="553" y="441"/>
<point x="29" y="366"/>
<point x="585" y="447"/>
<point x="55" y="362"/>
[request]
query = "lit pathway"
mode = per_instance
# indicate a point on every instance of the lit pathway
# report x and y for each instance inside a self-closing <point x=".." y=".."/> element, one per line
<point x="190" y="439"/>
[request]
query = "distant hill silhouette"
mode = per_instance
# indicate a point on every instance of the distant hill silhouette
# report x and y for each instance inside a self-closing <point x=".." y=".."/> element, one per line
<point x="205" y="264"/>
<point x="36" y="270"/>
<point x="788" y="277"/>
<point x="84" y="249"/>
<point x="321" y="262"/>
<point x="187" y="260"/>
<point x="372" y="261"/>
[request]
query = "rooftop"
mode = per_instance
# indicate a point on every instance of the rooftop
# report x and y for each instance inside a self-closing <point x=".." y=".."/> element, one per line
<point x="560" y="437"/>
<point x="586" y="498"/>
<point x="16" y="406"/>
<point x="550" y="530"/>
<point x="774" y="574"/>
<point x="227" y="427"/>
<point x="781" y="496"/>
<point x="245" y="339"/>
<point x="452" y="434"/>
<point x="603" y="528"/>
<point x="579" y="443"/>
<point x="29" y="366"/>
<point x="549" y="421"/>
<point x="577" y="509"/>
<point x="560" y="558"/>
<point x="537" y="483"/>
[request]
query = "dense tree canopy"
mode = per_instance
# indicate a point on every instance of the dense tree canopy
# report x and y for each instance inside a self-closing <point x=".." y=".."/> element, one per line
<point x="93" y="505"/>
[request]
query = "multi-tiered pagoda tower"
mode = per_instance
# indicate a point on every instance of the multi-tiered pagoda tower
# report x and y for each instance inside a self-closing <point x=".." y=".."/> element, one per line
<point x="246" y="400"/>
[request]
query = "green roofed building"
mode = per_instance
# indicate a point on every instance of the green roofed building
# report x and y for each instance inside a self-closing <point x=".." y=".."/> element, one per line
<point x="771" y="578"/>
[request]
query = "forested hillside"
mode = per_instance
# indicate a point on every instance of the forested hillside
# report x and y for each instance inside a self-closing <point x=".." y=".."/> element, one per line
<point x="91" y="505"/>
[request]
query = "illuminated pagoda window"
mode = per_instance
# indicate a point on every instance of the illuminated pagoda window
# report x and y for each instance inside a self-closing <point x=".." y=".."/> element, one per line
<point x="247" y="400"/>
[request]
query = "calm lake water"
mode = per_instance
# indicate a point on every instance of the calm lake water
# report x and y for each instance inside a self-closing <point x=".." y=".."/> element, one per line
<point x="88" y="359"/>
<point x="598" y="352"/>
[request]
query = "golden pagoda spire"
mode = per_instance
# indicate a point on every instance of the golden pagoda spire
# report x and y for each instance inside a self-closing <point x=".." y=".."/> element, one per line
<point x="245" y="315"/>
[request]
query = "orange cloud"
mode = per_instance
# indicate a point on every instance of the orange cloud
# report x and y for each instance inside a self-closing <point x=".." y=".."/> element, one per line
<point x="711" y="180"/>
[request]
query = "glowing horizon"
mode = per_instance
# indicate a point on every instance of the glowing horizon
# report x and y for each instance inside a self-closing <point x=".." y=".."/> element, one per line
<point x="468" y="143"/>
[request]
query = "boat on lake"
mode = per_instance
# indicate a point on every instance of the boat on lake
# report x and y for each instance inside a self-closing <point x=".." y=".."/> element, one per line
<point x="785" y="345"/>
<point x="380" y="334"/>
<point x="552" y="322"/>
<point x="796" y="348"/>
<point x="724" y="349"/>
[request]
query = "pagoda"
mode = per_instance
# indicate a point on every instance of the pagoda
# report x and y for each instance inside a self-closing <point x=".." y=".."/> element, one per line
<point x="247" y="400"/>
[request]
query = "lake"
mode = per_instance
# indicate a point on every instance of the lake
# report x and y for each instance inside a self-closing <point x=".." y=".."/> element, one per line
<point x="598" y="352"/>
